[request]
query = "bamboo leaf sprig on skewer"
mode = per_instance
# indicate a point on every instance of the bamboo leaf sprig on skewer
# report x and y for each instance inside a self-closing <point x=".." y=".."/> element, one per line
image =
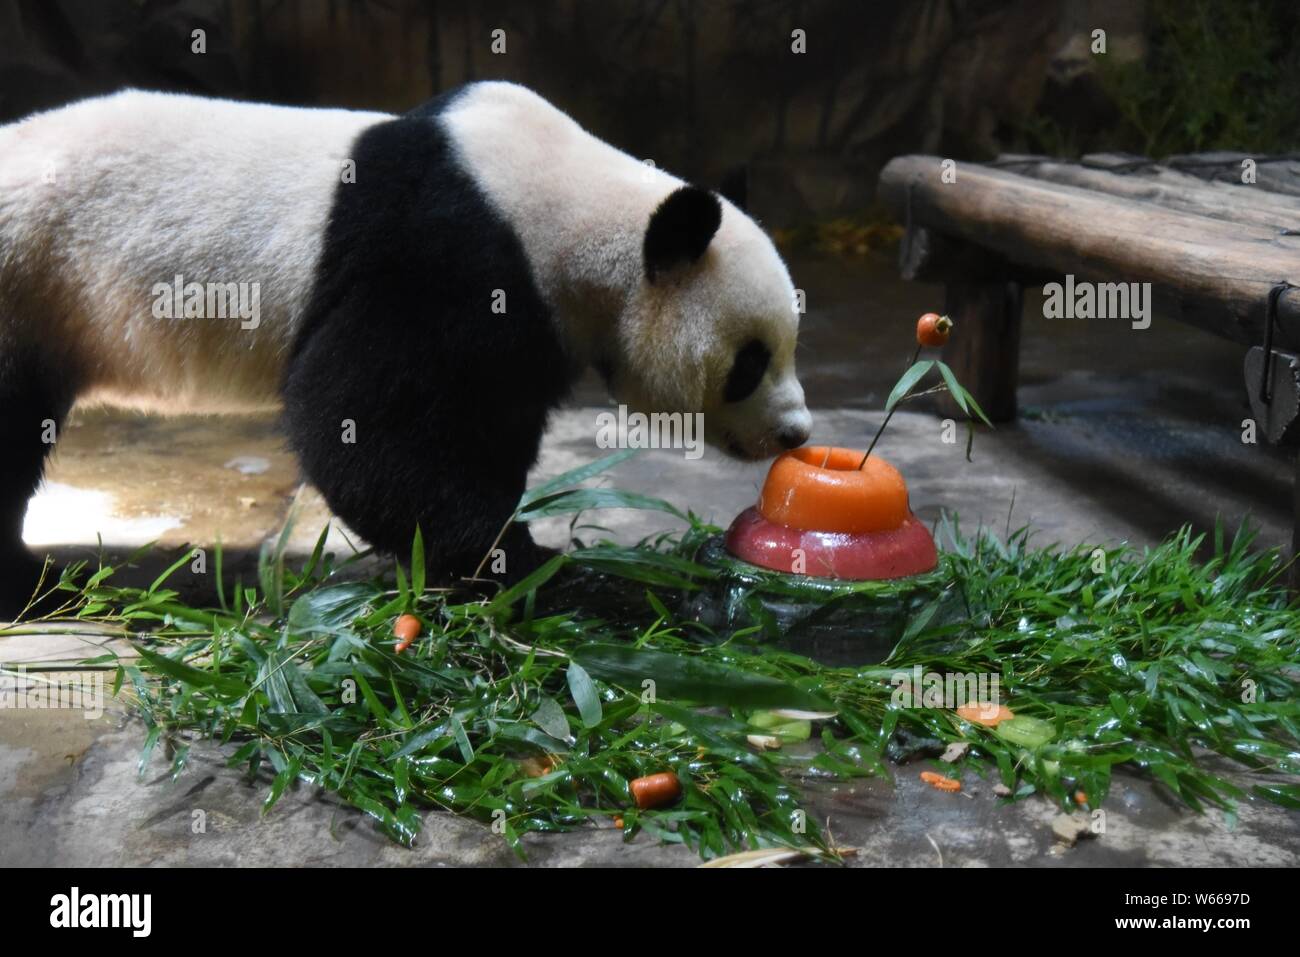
<point x="931" y="331"/>
<point x="525" y="708"/>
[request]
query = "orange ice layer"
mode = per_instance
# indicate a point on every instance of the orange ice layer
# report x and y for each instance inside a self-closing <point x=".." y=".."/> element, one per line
<point x="800" y="493"/>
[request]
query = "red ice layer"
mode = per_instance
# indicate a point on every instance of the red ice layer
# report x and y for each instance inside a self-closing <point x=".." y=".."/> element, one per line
<point x="857" y="556"/>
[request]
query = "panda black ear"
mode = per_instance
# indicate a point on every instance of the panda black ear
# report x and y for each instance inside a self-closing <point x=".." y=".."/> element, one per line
<point x="680" y="229"/>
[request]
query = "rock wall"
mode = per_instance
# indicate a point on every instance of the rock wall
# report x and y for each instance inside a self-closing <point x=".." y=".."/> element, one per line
<point x="699" y="86"/>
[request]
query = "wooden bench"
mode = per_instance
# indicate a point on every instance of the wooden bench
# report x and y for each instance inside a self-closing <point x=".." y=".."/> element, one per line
<point x="1220" y="253"/>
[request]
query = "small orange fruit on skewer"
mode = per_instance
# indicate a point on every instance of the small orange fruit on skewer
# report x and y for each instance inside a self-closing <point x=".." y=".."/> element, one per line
<point x="932" y="330"/>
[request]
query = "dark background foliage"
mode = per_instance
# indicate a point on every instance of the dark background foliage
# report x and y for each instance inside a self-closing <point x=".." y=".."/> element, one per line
<point x="703" y="86"/>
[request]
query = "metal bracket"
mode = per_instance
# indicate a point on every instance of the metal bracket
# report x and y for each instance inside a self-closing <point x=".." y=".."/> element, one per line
<point x="1270" y="320"/>
<point x="1278" y="417"/>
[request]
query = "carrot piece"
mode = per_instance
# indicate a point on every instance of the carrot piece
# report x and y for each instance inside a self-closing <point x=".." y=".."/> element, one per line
<point x="939" y="782"/>
<point x="985" y="713"/>
<point x="406" y="629"/>
<point x="656" y="790"/>
<point x="1081" y="798"/>
<point x="535" y="767"/>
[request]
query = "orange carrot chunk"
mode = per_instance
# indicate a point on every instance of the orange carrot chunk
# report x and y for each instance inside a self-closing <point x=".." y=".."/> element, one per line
<point x="985" y="712"/>
<point x="406" y="629"/>
<point x="656" y="790"/>
<point x="939" y="782"/>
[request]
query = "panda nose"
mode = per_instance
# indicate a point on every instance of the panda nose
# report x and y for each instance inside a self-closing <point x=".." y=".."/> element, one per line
<point x="792" y="437"/>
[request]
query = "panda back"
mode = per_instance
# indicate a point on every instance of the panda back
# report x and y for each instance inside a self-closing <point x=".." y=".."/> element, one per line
<point x="103" y="200"/>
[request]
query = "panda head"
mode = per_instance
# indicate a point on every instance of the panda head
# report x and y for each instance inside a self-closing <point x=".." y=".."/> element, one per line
<point x="710" y="327"/>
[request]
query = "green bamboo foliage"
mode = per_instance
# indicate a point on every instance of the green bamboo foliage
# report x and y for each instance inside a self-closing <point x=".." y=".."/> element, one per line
<point x="533" y="718"/>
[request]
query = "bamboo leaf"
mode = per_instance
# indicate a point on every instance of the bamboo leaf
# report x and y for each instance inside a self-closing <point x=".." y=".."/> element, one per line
<point x="574" y="477"/>
<point x="462" y="740"/>
<point x="529" y="583"/>
<point x="954" y="387"/>
<point x="584" y="695"/>
<point x="549" y="716"/>
<point x="692" y="678"/>
<point x="582" y="499"/>
<point x="908" y="379"/>
<point x="417" y="564"/>
<point x="229" y="686"/>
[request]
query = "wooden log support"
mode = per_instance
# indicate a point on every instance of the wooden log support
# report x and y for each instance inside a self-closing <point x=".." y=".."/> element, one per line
<point x="926" y="255"/>
<point x="1169" y="189"/>
<point x="1221" y="272"/>
<point x="1275" y="174"/>
<point x="1255" y="193"/>
<point x="984" y="350"/>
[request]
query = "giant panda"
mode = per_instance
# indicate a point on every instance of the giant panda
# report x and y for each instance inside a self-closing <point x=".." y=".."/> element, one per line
<point x="434" y="281"/>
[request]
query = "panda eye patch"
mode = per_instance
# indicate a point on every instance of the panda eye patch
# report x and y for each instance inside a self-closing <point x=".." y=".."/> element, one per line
<point x="747" y="372"/>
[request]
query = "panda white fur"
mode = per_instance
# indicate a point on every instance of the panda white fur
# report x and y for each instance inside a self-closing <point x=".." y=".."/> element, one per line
<point x="376" y="296"/>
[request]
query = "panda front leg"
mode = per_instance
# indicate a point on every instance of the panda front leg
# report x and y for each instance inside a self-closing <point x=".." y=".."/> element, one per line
<point x="392" y="446"/>
<point x="34" y="404"/>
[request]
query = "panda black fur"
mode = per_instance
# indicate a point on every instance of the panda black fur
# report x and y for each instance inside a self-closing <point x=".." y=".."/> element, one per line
<point x="449" y="399"/>
<point x="485" y="193"/>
